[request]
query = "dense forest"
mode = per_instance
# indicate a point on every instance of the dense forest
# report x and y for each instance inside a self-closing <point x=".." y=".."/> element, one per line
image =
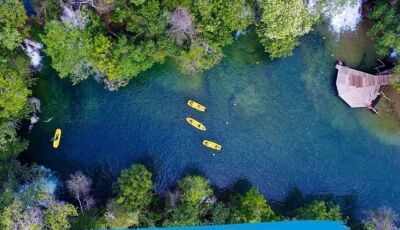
<point x="115" y="40"/>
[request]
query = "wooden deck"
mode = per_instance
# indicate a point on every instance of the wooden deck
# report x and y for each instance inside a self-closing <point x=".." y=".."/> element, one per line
<point x="360" y="79"/>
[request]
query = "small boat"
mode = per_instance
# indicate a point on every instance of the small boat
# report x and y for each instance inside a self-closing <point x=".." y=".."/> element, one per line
<point x="57" y="138"/>
<point x="196" y="105"/>
<point x="196" y="124"/>
<point x="212" y="145"/>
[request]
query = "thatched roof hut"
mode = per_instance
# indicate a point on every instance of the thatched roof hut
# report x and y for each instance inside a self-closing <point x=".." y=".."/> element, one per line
<point x="358" y="89"/>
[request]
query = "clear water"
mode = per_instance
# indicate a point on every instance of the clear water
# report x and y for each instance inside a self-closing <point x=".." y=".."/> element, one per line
<point x="280" y="122"/>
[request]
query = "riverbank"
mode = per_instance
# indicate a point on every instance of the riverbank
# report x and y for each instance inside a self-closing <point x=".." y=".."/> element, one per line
<point x="274" y="137"/>
<point x="391" y="106"/>
<point x="386" y="124"/>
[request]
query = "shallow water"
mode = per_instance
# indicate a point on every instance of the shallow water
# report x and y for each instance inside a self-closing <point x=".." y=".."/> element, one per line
<point x="280" y="122"/>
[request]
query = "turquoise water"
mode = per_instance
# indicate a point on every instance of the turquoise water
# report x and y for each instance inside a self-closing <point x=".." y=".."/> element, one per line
<point x="280" y="122"/>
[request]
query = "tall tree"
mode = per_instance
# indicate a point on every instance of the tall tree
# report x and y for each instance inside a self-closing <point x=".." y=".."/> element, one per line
<point x="57" y="214"/>
<point x="12" y="23"/>
<point x="383" y="218"/>
<point x="13" y="91"/>
<point x="217" y="19"/>
<point x="64" y="44"/>
<point x="252" y="207"/>
<point x="135" y="187"/>
<point x="282" y="22"/>
<point x="386" y="33"/>
<point x="319" y="210"/>
<point x="118" y="216"/>
<point x="194" y="189"/>
<point x="184" y="215"/>
<point x="181" y="27"/>
<point x="79" y="185"/>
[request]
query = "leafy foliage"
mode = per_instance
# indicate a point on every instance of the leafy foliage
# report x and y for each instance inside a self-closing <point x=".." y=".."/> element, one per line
<point x="282" y="23"/>
<point x="12" y="23"/>
<point x="386" y="28"/>
<point x="219" y="214"/>
<point x="319" y="210"/>
<point x="382" y="218"/>
<point x="198" y="58"/>
<point x="26" y="204"/>
<point x="144" y="18"/>
<point x="14" y="93"/>
<point x="194" y="189"/>
<point x="217" y="19"/>
<point x="144" y="33"/>
<point x="385" y="32"/>
<point x="184" y="215"/>
<point x="64" y="44"/>
<point x="79" y="185"/>
<point x="47" y="9"/>
<point x="135" y="187"/>
<point x="119" y="216"/>
<point x="252" y="207"/>
<point x="56" y="215"/>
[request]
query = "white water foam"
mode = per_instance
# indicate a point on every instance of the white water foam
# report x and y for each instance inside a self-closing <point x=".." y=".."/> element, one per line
<point x="49" y="180"/>
<point x="73" y="18"/>
<point x="32" y="49"/>
<point x="348" y="18"/>
<point x="341" y="18"/>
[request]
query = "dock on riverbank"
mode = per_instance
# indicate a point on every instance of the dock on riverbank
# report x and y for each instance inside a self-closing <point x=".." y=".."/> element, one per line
<point x="359" y="89"/>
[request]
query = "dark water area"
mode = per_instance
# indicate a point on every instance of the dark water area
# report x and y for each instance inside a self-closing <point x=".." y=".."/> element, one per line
<point x="280" y="122"/>
<point x="30" y="10"/>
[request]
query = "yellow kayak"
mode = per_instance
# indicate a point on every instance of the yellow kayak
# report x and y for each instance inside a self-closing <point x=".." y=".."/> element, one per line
<point x="212" y="145"/>
<point x="196" y="106"/>
<point x="196" y="124"/>
<point x="57" y="138"/>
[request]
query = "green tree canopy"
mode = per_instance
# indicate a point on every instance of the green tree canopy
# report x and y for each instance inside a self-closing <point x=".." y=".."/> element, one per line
<point x="12" y="23"/>
<point x="135" y="187"/>
<point x="144" y="18"/>
<point x="13" y="91"/>
<point x="282" y="22"/>
<point x="386" y="28"/>
<point x="252" y="207"/>
<point x="57" y="214"/>
<point x="217" y="19"/>
<point x="385" y="32"/>
<point x="219" y="213"/>
<point x="319" y="210"/>
<point x="184" y="215"/>
<point x="64" y="45"/>
<point x="194" y="189"/>
<point x="26" y="204"/>
<point x="118" y="216"/>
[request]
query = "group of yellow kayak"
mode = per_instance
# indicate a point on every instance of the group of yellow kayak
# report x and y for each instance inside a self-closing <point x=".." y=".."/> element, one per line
<point x="190" y="120"/>
<point x="200" y="126"/>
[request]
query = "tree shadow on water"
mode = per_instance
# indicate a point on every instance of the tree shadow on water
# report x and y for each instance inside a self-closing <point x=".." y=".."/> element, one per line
<point x="105" y="175"/>
<point x="295" y="199"/>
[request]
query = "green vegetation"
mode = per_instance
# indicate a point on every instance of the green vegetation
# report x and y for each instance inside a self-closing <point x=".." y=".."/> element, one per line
<point x="193" y="202"/>
<point x="319" y="210"/>
<point x="194" y="189"/>
<point x="12" y="24"/>
<point x="385" y="32"/>
<point x="252" y="207"/>
<point x="26" y="204"/>
<point x="14" y="77"/>
<point x="135" y="187"/>
<point x="116" y="40"/>
<point x="282" y="23"/>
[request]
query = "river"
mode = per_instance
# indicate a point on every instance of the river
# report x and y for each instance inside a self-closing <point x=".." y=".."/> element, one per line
<point x="280" y="122"/>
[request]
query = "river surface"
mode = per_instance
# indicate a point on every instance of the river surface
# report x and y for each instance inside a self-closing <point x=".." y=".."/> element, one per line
<point x="280" y="122"/>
